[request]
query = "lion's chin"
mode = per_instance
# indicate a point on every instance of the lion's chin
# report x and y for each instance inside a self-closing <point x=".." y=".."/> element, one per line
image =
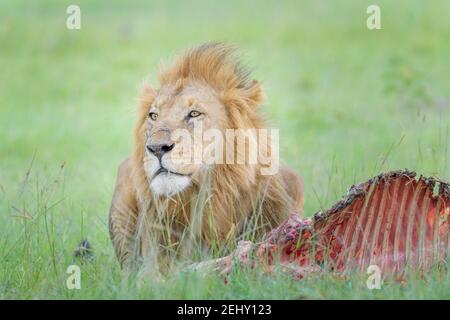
<point x="166" y="184"/>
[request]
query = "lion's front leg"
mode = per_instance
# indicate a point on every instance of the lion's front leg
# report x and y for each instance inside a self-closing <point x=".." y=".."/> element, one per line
<point x="123" y="217"/>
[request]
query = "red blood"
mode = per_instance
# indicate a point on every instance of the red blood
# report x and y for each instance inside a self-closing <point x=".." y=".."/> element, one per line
<point x="394" y="221"/>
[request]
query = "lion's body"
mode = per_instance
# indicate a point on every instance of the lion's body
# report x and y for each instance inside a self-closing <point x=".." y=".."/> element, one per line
<point x="220" y="202"/>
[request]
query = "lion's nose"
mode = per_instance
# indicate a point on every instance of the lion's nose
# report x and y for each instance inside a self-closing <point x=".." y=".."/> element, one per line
<point x="160" y="149"/>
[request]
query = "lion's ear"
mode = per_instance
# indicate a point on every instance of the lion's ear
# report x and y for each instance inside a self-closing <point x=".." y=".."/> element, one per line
<point x="254" y="94"/>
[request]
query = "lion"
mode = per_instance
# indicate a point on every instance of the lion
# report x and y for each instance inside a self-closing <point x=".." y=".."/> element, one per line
<point x="158" y="203"/>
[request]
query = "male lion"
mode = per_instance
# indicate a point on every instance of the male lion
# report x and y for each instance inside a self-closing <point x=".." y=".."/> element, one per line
<point x="160" y="204"/>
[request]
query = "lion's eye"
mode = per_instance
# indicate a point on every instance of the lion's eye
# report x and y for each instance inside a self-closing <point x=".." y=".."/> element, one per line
<point x="152" y="116"/>
<point x="194" y="114"/>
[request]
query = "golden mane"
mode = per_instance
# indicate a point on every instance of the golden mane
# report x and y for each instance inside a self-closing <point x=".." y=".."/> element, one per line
<point x="213" y="63"/>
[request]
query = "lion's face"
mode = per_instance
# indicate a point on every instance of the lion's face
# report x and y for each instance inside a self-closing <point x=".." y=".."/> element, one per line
<point x="175" y="123"/>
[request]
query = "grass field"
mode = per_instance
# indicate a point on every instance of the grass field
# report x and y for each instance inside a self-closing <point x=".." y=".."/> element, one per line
<point x="349" y="102"/>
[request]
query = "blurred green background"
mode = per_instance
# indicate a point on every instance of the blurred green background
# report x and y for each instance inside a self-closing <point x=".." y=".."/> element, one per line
<point x="349" y="102"/>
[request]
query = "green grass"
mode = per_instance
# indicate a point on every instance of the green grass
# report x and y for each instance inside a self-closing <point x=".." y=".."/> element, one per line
<point x="349" y="103"/>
